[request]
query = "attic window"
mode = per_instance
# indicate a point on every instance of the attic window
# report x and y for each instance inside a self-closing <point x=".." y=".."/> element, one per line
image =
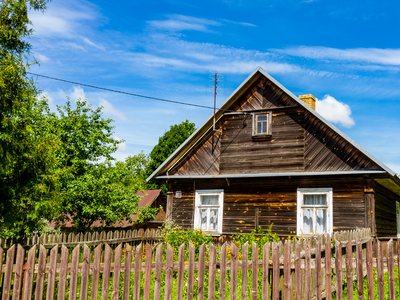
<point x="262" y="124"/>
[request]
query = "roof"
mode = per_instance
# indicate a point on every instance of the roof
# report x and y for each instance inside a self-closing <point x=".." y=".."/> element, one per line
<point x="191" y="140"/>
<point x="149" y="196"/>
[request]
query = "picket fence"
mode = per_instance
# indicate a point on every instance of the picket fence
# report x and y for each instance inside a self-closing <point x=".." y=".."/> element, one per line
<point x="308" y="268"/>
<point x="90" y="238"/>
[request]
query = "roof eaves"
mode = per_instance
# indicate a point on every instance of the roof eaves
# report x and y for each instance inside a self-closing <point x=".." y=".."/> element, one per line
<point x="329" y="124"/>
<point x="294" y="97"/>
<point x="277" y="174"/>
<point x="199" y="129"/>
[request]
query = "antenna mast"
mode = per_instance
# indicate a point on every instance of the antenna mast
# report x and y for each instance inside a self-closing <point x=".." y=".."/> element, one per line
<point x="215" y="98"/>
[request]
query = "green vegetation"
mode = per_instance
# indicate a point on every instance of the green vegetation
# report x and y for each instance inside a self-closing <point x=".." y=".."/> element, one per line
<point x="167" y="144"/>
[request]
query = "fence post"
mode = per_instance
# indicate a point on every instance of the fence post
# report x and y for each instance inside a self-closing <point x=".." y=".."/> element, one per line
<point x="265" y="278"/>
<point x="234" y="271"/>
<point x="392" y="295"/>
<point x="222" y="282"/>
<point x="254" y="272"/>
<point x="360" y="273"/>
<point x="381" y="292"/>
<point x="349" y="268"/>
<point x="370" y="272"/>
<point x="328" y="268"/>
<point x="200" y="286"/>
<point x="157" y="275"/>
<point x="287" y="271"/>
<point x="245" y="258"/>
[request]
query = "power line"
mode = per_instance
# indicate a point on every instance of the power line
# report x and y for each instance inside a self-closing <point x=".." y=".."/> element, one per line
<point x="126" y="93"/>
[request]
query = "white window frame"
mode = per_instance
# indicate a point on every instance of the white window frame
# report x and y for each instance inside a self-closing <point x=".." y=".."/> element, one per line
<point x="198" y="206"/>
<point x="255" y="120"/>
<point x="314" y="191"/>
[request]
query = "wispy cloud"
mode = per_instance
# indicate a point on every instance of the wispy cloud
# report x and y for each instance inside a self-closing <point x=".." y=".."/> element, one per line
<point x="177" y="23"/>
<point x="365" y="55"/>
<point x="335" y="111"/>
<point x="41" y="57"/>
<point x="89" y="42"/>
<point x="181" y="23"/>
<point x="110" y="109"/>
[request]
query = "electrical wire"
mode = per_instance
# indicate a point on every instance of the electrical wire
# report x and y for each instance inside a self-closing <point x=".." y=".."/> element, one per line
<point x="127" y="93"/>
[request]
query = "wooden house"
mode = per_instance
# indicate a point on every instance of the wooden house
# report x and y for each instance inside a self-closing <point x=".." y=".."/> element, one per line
<point x="271" y="158"/>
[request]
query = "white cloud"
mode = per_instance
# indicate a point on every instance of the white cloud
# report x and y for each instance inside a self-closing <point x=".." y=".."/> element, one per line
<point x="365" y="55"/>
<point x="335" y="111"/>
<point x="180" y="23"/>
<point x="60" y="21"/>
<point x="78" y="94"/>
<point x="41" y="58"/>
<point x="123" y="147"/>
<point x="89" y="42"/>
<point x="109" y="108"/>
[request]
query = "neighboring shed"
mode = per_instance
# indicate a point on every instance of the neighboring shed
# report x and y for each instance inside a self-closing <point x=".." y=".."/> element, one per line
<point x="273" y="159"/>
<point x="153" y="198"/>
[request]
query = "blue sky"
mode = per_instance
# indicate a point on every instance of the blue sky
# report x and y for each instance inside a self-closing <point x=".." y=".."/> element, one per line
<point x="346" y="53"/>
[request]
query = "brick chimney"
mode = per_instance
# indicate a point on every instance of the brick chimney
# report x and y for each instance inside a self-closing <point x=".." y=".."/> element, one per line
<point x="309" y="100"/>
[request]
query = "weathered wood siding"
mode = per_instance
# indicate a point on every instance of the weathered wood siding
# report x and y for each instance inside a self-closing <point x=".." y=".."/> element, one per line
<point x="283" y="152"/>
<point x="385" y="211"/>
<point x="276" y="200"/>
<point x="299" y="141"/>
<point x="326" y="150"/>
<point x="203" y="158"/>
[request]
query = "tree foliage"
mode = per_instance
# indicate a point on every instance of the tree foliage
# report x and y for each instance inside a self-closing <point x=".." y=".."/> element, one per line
<point x="168" y="143"/>
<point x="27" y="179"/>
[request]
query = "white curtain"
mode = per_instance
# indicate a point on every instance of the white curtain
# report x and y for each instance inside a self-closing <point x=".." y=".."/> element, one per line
<point x="319" y="199"/>
<point x="209" y="199"/>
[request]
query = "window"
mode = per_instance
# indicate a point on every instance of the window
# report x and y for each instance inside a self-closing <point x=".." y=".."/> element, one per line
<point x="262" y="124"/>
<point x="314" y="211"/>
<point x="208" y="210"/>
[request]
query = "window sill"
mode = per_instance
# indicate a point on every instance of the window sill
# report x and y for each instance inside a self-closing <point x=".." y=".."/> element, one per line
<point x="261" y="137"/>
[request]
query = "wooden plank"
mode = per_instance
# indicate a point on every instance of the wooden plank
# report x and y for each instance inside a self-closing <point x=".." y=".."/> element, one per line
<point x="8" y="273"/>
<point x="265" y="267"/>
<point x="287" y="271"/>
<point x="275" y="271"/>
<point x="370" y="272"/>
<point x="74" y="273"/>
<point x="254" y="271"/>
<point x="245" y="259"/>
<point x="40" y="273"/>
<point x="381" y="291"/>
<point x="328" y="268"/>
<point x="222" y="281"/>
<point x="51" y="277"/>
<point x="318" y="270"/>
<point x="96" y="273"/>
<point x="360" y="273"/>
<point x="297" y="265"/>
<point x="212" y="272"/>
<point x="85" y="272"/>
<point x="117" y="272"/>
<point x="19" y="263"/>
<point x="349" y="269"/>
<point x="181" y="262"/>
<point x="338" y="268"/>
<point x="63" y="273"/>
<point x="234" y="271"/>
<point x="308" y="269"/>
<point x="127" y="272"/>
<point x="30" y="268"/>
<point x="106" y="272"/>
<point x="147" y="274"/>
<point x="169" y="272"/>
<point x="157" y="275"/>
<point x="200" y="285"/>
<point x="138" y="262"/>
<point x="191" y="270"/>
<point x="390" y="263"/>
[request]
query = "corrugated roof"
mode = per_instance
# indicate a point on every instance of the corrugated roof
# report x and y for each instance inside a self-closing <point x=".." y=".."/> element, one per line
<point x="230" y="100"/>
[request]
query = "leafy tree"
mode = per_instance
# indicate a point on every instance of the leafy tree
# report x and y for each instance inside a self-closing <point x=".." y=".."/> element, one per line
<point x="92" y="188"/>
<point x="168" y="143"/>
<point x="27" y="177"/>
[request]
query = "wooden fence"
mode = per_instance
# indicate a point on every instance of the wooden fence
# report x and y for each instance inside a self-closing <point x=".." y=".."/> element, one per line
<point x="309" y="268"/>
<point x="90" y="238"/>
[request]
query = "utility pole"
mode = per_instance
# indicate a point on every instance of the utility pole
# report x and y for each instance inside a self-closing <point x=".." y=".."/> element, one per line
<point x="215" y="96"/>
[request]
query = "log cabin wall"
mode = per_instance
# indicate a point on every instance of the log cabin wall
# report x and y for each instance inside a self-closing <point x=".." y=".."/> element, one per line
<point x="276" y="200"/>
<point x="385" y="211"/>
